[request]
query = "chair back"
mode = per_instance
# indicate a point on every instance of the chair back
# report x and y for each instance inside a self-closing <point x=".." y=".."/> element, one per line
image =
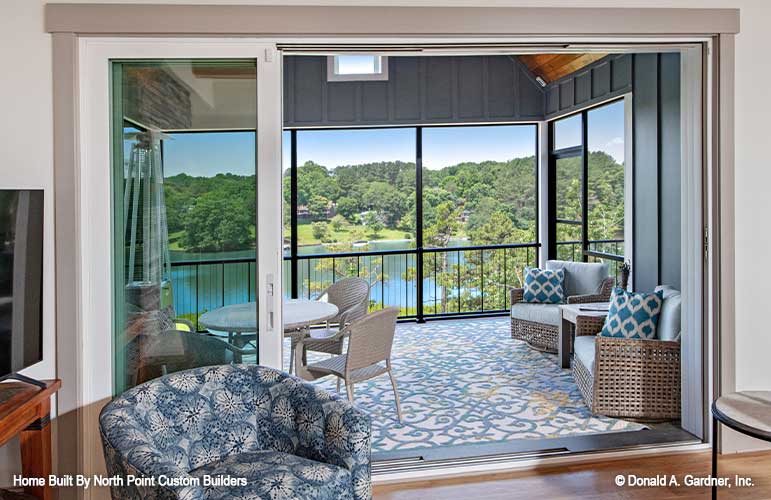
<point x="670" y="327"/>
<point x="351" y="296"/>
<point x="581" y="278"/>
<point x="371" y="338"/>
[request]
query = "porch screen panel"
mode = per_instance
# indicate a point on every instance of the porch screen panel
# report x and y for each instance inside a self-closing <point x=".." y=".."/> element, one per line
<point x="605" y="180"/>
<point x="479" y="214"/>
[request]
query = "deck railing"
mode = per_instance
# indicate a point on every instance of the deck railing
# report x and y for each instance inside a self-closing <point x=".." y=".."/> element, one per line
<point x="466" y="280"/>
<point x="610" y="251"/>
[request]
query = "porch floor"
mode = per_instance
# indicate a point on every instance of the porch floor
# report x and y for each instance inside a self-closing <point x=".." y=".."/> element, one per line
<point x="469" y="382"/>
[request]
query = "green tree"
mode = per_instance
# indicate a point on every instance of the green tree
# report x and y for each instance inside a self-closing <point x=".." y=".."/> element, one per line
<point x="373" y="223"/>
<point x="339" y="222"/>
<point x="217" y="224"/>
<point x="348" y="207"/>
<point x="317" y="207"/>
<point x="320" y="230"/>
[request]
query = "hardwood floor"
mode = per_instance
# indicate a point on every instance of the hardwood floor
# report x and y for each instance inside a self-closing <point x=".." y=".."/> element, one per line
<point x="597" y="481"/>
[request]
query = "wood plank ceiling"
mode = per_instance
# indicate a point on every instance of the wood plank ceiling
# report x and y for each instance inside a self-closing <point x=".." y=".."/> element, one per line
<point x="552" y="67"/>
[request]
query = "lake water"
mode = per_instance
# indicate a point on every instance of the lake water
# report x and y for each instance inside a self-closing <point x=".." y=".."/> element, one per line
<point x="203" y="287"/>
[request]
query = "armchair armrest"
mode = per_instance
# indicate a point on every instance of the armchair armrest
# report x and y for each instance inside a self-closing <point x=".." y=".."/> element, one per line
<point x="516" y="295"/>
<point x="637" y="378"/>
<point x="129" y="450"/>
<point x="335" y="432"/>
<point x="589" y="325"/>
<point x="603" y="294"/>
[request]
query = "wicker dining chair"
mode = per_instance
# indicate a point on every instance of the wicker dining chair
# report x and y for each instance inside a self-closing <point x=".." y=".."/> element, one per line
<point x="351" y="296"/>
<point x="538" y="324"/>
<point x="370" y="340"/>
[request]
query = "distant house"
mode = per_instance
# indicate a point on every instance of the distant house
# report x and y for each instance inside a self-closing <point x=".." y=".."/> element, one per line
<point x="304" y="213"/>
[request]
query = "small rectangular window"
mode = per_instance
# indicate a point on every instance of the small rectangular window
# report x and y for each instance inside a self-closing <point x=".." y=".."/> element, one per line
<point x="567" y="132"/>
<point x="357" y="67"/>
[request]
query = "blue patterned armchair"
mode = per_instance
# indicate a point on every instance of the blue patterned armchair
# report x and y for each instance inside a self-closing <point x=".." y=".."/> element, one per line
<point x="197" y="431"/>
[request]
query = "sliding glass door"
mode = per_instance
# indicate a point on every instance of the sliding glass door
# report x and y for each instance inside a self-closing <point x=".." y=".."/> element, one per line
<point x="185" y="226"/>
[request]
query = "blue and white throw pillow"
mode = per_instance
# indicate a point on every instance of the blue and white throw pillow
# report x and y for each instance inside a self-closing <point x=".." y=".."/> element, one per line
<point x="633" y="315"/>
<point x="544" y="287"/>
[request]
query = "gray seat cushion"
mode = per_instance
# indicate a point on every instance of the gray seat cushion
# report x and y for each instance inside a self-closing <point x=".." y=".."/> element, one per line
<point x="548" y="314"/>
<point x="583" y="349"/>
<point x="278" y="476"/>
<point x="669" y="327"/>
<point x="581" y="278"/>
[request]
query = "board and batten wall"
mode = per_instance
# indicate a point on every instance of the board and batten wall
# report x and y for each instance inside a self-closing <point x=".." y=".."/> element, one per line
<point x="419" y="90"/>
<point x="654" y="81"/>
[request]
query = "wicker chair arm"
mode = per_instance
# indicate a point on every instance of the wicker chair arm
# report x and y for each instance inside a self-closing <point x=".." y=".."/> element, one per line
<point x="586" y="299"/>
<point x="603" y="295"/>
<point x="606" y="289"/>
<point x="589" y="325"/>
<point x="516" y="294"/>
<point x="632" y="378"/>
<point x="665" y="350"/>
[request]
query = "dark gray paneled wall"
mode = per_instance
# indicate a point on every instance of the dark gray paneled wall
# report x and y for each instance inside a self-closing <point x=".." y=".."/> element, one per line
<point x="656" y="115"/>
<point x="669" y="170"/>
<point x="419" y="90"/>
<point x="604" y="79"/>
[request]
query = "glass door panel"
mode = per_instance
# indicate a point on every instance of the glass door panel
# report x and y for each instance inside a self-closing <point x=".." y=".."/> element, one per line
<point x="184" y="215"/>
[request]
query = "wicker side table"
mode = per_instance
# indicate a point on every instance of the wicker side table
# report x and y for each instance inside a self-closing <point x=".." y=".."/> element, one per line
<point x="578" y="319"/>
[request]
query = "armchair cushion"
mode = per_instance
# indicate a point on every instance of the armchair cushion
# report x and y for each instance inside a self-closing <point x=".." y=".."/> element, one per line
<point x="633" y="315"/>
<point x="669" y="322"/>
<point x="543" y="286"/>
<point x="274" y="474"/>
<point x="581" y="278"/>
<point x="583" y="349"/>
<point x="547" y="314"/>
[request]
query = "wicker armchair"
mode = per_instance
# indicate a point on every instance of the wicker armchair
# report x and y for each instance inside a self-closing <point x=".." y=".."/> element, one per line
<point x="632" y="378"/>
<point x="538" y="324"/>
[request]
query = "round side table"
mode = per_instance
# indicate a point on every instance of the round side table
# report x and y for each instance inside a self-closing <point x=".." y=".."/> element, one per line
<point x="748" y="412"/>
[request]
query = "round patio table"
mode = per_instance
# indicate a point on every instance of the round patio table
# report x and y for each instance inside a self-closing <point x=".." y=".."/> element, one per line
<point x="240" y="319"/>
<point x="300" y="313"/>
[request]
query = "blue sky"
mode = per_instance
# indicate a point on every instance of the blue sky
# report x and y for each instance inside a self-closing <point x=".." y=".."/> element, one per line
<point x="206" y="154"/>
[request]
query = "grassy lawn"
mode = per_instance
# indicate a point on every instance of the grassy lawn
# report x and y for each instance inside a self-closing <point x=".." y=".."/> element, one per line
<point x="348" y="234"/>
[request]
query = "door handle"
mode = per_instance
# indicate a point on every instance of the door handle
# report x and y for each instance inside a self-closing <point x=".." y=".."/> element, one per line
<point x="269" y="292"/>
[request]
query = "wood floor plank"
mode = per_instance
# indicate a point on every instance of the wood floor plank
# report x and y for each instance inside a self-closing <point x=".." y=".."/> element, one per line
<point x="597" y="481"/>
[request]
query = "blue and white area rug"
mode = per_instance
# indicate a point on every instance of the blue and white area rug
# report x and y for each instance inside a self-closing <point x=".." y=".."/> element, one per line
<point x="468" y="381"/>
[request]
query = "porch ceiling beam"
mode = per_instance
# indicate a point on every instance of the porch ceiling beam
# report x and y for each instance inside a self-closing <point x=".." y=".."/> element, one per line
<point x="142" y="19"/>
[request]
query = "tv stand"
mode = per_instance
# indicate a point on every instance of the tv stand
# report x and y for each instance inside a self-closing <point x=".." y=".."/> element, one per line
<point x="25" y="412"/>
<point x="26" y="379"/>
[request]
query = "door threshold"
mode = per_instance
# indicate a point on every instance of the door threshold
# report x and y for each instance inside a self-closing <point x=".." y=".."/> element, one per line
<point x="409" y="470"/>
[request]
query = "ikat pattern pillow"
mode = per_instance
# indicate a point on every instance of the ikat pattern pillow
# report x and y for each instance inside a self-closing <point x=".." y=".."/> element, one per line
<point x="544" y="287"/>
<point x="633" y="315"/>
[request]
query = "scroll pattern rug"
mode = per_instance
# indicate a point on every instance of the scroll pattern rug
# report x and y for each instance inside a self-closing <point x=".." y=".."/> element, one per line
<point x="468" y="381"/>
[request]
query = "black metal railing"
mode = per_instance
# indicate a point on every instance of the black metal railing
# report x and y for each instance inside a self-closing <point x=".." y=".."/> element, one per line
<point x="455" y="281"/>
<point x="608" y="250"/>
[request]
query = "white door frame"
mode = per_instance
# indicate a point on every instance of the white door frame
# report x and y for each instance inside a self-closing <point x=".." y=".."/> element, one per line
<point x="96" y="191"/>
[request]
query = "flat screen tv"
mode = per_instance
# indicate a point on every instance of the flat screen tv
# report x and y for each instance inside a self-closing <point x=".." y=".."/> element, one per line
<point x="21" y="280"/>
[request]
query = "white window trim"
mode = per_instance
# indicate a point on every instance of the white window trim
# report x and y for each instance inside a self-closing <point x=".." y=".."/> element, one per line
<point x="382" y="75"/>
